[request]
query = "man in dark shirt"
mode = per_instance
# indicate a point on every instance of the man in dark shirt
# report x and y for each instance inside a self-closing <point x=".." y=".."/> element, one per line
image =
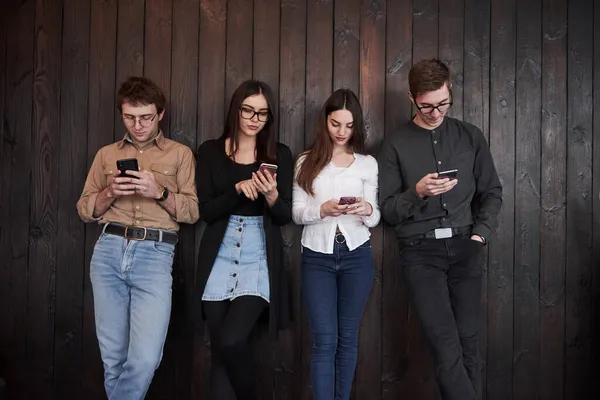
<point x="442" y="221"/>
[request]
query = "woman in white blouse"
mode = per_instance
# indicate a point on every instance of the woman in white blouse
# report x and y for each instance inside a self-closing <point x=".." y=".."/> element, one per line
<point x="335" y="198"/>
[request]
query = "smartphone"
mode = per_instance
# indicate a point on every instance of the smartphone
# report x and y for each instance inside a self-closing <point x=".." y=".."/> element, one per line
<point x="270" y="168"/>
<point x="347" y="200"/>
<point x="451" y="173"/>
<point x="128" y="164"/>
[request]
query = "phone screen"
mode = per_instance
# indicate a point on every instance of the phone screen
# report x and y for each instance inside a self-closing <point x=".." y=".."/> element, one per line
<point x="129" y="164"/>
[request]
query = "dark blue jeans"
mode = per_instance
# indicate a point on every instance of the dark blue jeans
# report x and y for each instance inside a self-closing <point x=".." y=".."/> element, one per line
<point x="336" y="287"/>
<point x="444" y="276"/>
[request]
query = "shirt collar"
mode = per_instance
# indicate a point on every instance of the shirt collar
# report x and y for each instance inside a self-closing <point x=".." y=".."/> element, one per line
<point x="159" y="140"/>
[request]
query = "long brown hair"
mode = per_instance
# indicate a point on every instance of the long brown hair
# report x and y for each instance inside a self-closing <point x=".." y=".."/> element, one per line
<point x="320" y="152"/>
<point x="266" y="146"/>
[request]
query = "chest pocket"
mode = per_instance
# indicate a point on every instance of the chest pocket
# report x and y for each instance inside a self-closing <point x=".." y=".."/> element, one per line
<point x="166" y="175"/>
<point x="108" y="175"/>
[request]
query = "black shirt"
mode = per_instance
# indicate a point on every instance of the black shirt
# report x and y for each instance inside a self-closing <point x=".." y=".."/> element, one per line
<point x="411" y="153"/>
<point x="240" y="172"/>
<point x="218" y="199"/>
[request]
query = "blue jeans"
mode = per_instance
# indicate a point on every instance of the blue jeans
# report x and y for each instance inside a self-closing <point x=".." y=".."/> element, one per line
<point x="131" y="282"/>
<point x="336" y="288"/>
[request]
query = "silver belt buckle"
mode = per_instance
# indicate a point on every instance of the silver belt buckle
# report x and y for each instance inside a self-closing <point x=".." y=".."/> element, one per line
<point x="442" y="233"/>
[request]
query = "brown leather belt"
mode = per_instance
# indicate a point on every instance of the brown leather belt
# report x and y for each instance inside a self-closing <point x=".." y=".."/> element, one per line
<point x="134" y="233"/>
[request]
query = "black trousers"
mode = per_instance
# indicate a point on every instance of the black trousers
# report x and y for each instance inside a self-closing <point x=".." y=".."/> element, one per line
<point x="229" y="326"/>
<point x="444" y="276"/>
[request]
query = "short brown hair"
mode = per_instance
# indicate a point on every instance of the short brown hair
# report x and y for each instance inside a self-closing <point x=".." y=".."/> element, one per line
<point x="427" y="76"/>
<point x="138" y="90"/>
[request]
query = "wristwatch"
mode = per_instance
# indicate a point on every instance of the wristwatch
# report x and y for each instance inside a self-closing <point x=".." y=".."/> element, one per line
<point x="164" y="194"/>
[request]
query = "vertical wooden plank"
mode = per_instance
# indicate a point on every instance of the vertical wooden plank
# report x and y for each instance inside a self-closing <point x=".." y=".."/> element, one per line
<point x="183" y="111"/>
<point x="346" y="62"/>
<point x="425" y="30"/>
<point x="372" y="94"/>
<point x="265" y="58"/>
<point x="130" y="47"/>
<point x="292" y="67"/>
<point x="319" y="78"/>
<point x="7" y="12"/>
<point x="211" y="73"/>
<point x="238" y="67"/>
<point x="596" y="204"/>
<point x="502" y="145"/>
<point x="451" y="44"/>
<point x="70" y="257"/>
<point x="211" y="115"/>
<point x="578" y="364"/>
<point x="41" y="299"/>
<point x="101" y="116"/>
<point x="396" y="364"/>
<point x="157" y="66"/>
<point x="476" y="109"/>
<point x="319" y="61"/>
<point x="527" y="202"/>
<point x="265" y="67"/>
<point x="553" y="204"/>
<point x="16" y="192"/>
<point x="157" y="50"/>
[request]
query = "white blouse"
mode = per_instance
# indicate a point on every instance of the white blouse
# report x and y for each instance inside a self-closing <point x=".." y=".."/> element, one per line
<point x="359" y="180"/>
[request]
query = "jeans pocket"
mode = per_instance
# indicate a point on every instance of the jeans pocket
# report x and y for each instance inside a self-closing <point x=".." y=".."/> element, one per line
<point x="164" y="248"/>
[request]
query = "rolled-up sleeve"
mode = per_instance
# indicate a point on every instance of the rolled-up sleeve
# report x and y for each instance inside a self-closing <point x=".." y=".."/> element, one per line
<point x="94" y="184"/>
<point x="186" y="200"/>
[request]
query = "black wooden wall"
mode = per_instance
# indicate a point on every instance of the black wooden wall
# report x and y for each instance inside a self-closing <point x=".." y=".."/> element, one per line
<point x="523" y="71"/>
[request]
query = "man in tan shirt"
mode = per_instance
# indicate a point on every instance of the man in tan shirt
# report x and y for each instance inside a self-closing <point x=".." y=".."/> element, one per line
<point x="140" y="212"/>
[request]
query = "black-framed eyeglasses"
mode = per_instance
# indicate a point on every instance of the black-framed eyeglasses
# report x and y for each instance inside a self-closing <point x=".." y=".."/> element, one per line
<point x="248" y="113"/>
<point x="145" y="120"/>
<point x="442" y="108"/>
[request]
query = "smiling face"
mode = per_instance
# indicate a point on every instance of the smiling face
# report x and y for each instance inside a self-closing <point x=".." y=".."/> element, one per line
<point x="254" y="113"/>
<point x="340" y="125"/>
<point x="141" y="121"/>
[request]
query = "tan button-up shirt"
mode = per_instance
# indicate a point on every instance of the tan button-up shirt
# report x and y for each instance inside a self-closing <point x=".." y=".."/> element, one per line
<point x="173" y="166"/>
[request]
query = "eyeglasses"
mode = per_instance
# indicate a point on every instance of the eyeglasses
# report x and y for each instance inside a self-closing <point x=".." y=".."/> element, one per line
<point x="442" y="108"/>
<point x="145" y="120"/>
<point x="248" y="113"/>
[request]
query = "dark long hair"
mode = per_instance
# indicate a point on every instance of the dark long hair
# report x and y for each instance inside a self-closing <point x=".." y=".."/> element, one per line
<point x="266" y="147"/>
<point x="320" y="152"/>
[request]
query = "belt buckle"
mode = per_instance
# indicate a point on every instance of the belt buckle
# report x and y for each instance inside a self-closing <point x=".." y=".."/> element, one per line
<point x="442" y="233"/>
<point x="132" y="238"/>
<point x="343" y="238"/>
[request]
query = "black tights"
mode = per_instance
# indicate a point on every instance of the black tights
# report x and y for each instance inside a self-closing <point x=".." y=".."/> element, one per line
<point x="229" y="326"/>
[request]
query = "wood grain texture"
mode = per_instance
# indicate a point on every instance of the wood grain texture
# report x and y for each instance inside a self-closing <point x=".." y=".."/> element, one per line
<point x="72" y="167"/>
<point x="527" y="202"/>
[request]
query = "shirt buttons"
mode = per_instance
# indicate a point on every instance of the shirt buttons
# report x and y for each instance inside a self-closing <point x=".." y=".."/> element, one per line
<point x="237" y="245"/>
<point x="137" y="222"/>
<point x="435" y="142"/>
<point x="137" y="207"/>
<point x="439" y="162"/>
<point x="236" y="262"/>
<point x="444" y="204"/>
<point x="111" y="171"/>
<point x="165" y="172"/>
<point x="234" y="275"/>
<point x="141" y="151"/>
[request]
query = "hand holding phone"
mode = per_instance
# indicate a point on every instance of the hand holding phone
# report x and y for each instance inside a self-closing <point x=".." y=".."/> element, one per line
<point x="347" y="200"/>
<point x="128" y="164"/>
<point x="451" y="174"/>
<point x="434" y="184"/>
<point x="270" y="168"/>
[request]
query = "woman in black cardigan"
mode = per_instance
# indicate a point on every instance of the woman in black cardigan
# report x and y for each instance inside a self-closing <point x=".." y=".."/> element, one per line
<point x="240" y="262"/>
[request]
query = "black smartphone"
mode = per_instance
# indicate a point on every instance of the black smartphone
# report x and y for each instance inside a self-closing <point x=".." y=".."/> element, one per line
<point x="451" y="173"/>
<point x="128" y="164"/>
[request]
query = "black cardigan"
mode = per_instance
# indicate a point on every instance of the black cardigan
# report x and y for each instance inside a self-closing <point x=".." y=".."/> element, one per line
<point x="218" y="197"/>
